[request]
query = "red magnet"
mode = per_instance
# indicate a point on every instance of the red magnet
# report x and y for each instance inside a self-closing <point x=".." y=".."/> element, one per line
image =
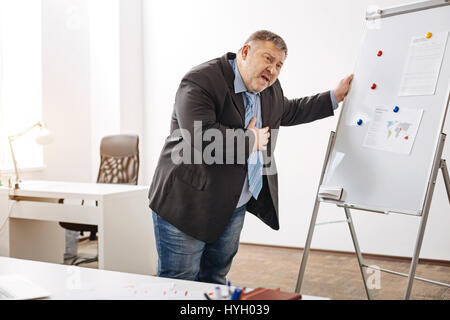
<point x="380" y="53"/>
<point x="373" y="87"/>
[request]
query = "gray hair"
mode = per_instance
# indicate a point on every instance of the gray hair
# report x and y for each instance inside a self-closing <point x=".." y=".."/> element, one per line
<point x="265" y="35"/>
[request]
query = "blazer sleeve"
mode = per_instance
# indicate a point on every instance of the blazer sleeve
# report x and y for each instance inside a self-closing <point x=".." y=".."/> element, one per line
<point x="308" y="109"/>
<point x="195" y="109"/>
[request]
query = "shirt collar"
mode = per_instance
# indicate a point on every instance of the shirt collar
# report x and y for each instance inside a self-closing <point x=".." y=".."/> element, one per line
<point x="239" y="85"/>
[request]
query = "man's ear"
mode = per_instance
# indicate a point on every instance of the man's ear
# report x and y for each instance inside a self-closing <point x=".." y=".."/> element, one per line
<point x="244" y="51"/>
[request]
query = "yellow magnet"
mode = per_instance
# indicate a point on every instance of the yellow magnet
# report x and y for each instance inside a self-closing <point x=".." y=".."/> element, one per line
<point x="429" y="35"/>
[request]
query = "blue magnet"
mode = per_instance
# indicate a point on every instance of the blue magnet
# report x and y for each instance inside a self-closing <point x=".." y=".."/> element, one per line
<point x="360" y="122"/>
<point x="396" y="109"/>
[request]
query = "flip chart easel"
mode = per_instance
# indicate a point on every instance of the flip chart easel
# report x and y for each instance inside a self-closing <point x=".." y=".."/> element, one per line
<point x="425" y="159"/>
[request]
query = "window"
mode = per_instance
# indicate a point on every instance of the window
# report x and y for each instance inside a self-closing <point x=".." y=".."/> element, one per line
<point x="20" y="81"/>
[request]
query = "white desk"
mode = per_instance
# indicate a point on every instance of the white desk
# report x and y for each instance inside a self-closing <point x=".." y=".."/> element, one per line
<point x="70" y="282"/>
<point x="29" y="228"/>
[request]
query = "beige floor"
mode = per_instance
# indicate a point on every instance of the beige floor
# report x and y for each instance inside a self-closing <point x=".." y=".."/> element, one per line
<point x="332" y="275"/>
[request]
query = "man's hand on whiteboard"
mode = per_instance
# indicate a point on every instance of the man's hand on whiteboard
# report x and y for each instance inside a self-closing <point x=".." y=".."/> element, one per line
<point x="342" y="89"/>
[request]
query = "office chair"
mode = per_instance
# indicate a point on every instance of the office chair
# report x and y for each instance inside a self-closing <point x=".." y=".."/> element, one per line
<point x="119" y="163"/>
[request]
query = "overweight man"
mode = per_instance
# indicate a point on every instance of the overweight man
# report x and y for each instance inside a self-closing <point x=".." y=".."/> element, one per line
<point x="217" y="163"/>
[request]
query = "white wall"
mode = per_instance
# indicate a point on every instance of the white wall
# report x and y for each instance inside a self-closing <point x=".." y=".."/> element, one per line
<point x="116" y="69"/>
<point x="65" y="85"/>
<point x="323" y="38"/>
<point x="104" y="58"/>
<point x="92" y="77"/>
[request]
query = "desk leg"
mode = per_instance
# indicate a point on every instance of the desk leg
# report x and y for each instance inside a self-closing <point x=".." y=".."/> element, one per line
<point x="125" y="234"/>
<point x="4" y="225"/>
<point x="36" y="240"/>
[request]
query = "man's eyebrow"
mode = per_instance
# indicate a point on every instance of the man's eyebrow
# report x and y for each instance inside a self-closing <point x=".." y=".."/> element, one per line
<point x="272" y="57"/>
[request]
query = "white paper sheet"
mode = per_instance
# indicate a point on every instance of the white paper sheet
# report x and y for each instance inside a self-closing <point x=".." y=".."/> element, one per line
<point x="393" y="132"/>
<point x="335" y="162"/>
<point x="423" y="65"/>
<point x="137" y="291"/>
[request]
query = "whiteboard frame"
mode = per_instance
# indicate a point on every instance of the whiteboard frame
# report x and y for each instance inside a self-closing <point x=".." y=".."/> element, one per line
<point x="409" y="8"/>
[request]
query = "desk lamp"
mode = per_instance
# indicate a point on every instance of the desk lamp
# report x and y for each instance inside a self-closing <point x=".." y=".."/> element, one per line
<point x="44" y="137"/>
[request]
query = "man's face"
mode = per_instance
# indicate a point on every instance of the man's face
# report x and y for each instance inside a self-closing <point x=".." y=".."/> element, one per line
<point x="260" y="65"/>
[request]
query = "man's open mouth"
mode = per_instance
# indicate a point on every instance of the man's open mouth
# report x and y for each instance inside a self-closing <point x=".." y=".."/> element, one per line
<point x="265" y="78"/>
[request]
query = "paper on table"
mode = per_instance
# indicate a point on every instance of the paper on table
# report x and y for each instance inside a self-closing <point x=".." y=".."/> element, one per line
<point x="153" y="291"/>
<point x="16" y="287"/>
<point x="393" y="132"/>
<point x="423" y="65"/>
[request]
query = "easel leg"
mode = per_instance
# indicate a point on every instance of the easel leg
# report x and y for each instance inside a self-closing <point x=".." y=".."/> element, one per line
<point x="446" y="177"/>
<point x="438" y="164"/>
<point x="422" y="226"/>
<point x="415" y="258"/>
<point x="312" y="225"/>
<point x="358" y="251"/>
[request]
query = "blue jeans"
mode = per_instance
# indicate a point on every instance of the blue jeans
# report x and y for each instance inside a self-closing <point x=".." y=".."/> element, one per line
<point x="181" y="256"/>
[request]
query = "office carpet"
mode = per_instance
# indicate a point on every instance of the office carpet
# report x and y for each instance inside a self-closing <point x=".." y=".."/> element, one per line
<point x="328" y="274"/>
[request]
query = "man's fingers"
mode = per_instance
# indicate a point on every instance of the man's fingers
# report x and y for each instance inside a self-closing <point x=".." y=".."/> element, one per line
<point x="349" y="79"/>
<point x="343" y="88"/>
<point x="252" y="123"/>
<point x="262" y="135"/>
<point x="255" y="133"/>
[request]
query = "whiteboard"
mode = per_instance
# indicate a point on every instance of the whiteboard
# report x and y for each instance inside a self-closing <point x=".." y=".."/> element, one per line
<point x="379" y="179"/>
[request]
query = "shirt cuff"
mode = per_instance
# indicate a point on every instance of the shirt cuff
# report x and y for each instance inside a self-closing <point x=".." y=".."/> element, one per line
<point x="333" y="100"/>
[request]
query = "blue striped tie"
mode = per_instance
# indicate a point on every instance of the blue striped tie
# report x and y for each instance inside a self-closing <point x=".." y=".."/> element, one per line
<point x="255" y="161"/>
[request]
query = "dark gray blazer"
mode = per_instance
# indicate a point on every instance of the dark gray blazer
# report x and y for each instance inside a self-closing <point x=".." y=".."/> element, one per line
<point x="199" y="199"/>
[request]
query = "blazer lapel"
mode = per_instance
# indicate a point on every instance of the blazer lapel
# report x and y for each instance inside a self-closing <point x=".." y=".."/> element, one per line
<point x="238" y="101"/>
<point x="228" y="73"/>
<point x="265" y="108"/>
